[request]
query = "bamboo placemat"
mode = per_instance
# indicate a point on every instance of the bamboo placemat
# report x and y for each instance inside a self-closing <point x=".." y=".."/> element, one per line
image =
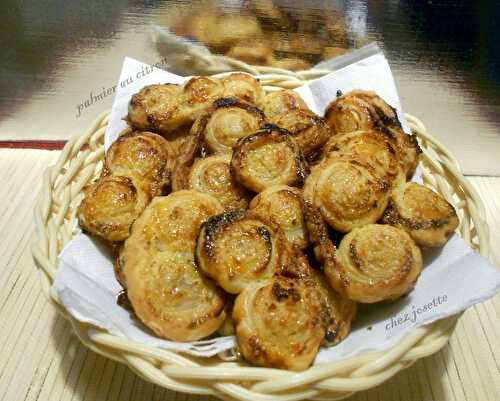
<point x="41" y="360"/>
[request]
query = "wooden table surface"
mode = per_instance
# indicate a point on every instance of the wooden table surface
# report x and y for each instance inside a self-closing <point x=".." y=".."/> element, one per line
<point x="40" y="358"/>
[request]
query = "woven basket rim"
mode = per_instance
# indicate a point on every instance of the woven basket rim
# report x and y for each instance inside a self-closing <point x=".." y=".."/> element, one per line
<point x="55" y="214"/>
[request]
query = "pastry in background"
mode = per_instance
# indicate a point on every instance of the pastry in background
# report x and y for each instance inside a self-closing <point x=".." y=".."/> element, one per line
<point x="374" y="263"/>
<point x="266" y="158"/>
<point x="252" y="52"/>
<point x="427" y="216"/>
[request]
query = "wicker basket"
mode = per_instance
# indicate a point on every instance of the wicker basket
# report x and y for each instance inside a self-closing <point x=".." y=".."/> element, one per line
<point x="55" y="214"/>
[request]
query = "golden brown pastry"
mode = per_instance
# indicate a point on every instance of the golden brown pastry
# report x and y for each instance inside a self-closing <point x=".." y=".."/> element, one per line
<point x="237" y="248"/>
<point x="243" y="86"/>
<point x="407" y="147"/>
<point x="422" y="213"/>
<point x="348" y="190"/>
<point x="341" y="310"/>
<point x="266" y="158"/>
<point x="309" y="130"/>
<point x="227" y="121"/>
<point x="279" y="102"/>
<point x="372" y="145"/>
<point x="359" y="110"/>
<point x="283" y="205"/>
<point x="364" y="110"/>
<point x="212" y="175"/>
<point x="137" y="167"/>
<point x="291" y="63"/>
<point x="156" y="108"/>
<point x="231" y="29"/>
<point x="252" y="52"/>
<point x="374" y="263"/>
<point x="280" y="323"/>
<point x="143" y="156"/>
<point x="164" y="287"/>
<point x="166" y="108"/>
<point x="110" y="206"/>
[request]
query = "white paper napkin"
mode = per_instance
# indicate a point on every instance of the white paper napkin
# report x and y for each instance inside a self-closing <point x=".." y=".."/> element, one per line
<point x="454" y="277"/>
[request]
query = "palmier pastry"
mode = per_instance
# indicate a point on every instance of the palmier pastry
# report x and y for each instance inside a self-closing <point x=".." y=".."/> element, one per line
<point x="243" y="86"/>
<point x="144" y="156"/>
<point x="348" y="190"/>
<point x="424" y="214"/>
<point x="280" y="323"/>
<point x="375" y="262"/>
<point x="372" y="145"/>
<point x="309" y="130"/>
<point x="228" y="120"/>
<point x="110" y="206"/>
<point x="364" y="110"/>
<point x="279" y="102"/>
<point x="164" y="287"/>
<point x="165" y="108"/>
<point x="156" y="108"/>
<point x="408" y="148"/>
<point x="237" y="248"/>
<point x="283" y="205"/>
<point x="137" y="167"/>
<point x="266" y="158"/>
<point x="359" y="110"/>
<point x="341" y="310"/>
<point x="212" y="175"/>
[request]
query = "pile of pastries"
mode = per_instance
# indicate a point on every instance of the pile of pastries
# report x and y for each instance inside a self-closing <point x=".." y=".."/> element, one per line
<point x="241" y="212"/>
<point x="265" y="33"/>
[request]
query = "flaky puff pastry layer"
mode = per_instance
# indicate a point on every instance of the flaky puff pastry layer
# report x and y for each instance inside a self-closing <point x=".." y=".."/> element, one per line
<point x="237" y="248"/>
<point x="348" y="190"/>
<point x="341" y="310"/>
<point x="364" y="110"/>
<point x="374" y="263"/>
<point x="283" y="205"/>
<point x="359" y="110"/>
<point x="266" y="158"/>
<point x="212" y="175"/>
<point x="243" y="86"/>
<point x="428" y="217"/>
<point x="372" y="145"/>
<point x="279" y="102"/>
<point x="137" y="167"/>
<point x="167" y="292"/>
<point x="165" y="108"/>
<point x="280" y="323"/>
<point x="309" y="130"/>
<point x="110" y="206"/>
<point x="144" y="156"/>
<point x="227" y="121"/>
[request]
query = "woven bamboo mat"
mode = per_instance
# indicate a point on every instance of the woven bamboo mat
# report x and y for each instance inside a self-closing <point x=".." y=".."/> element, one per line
<point x="41" y="360"/>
